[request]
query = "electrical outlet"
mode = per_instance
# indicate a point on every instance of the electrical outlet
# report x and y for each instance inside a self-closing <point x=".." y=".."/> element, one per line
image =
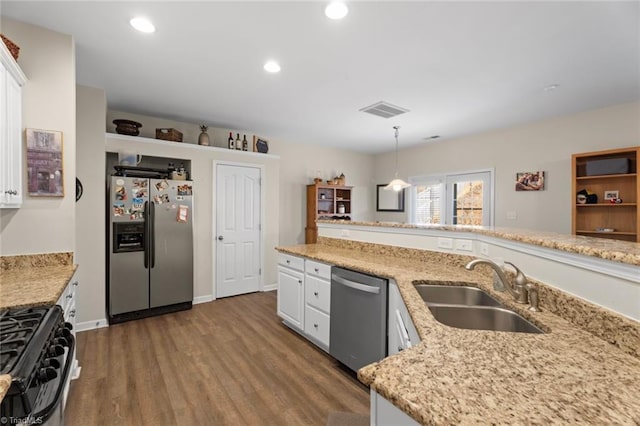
<point x="464" y="245"/>
<point x="484" y="249"/>
<point x="446" y="243"/>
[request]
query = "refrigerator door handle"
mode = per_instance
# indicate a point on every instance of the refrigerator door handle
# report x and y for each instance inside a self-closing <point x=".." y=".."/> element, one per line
<point x="152" y="233"/>
<point x="146" y="235"/>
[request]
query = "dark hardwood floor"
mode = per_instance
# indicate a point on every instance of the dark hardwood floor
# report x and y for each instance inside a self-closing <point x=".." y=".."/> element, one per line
<point x="228" y="362"/>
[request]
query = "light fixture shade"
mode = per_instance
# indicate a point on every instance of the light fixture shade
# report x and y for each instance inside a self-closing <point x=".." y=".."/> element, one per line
<point x="397" y="185"/>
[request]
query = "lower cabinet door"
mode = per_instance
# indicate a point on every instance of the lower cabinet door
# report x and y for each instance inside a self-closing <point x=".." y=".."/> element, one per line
<point x="291" y="296"/>
<point x="316" y="326"/>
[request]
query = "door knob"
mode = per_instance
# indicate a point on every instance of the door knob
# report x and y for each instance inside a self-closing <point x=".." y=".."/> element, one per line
<point x="221" y="238"/>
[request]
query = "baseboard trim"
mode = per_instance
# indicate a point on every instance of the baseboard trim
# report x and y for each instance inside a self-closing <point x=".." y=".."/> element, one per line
<point x="91" y="325"/>
<point x="270" y="287"/>
<point x="203" y="299"/>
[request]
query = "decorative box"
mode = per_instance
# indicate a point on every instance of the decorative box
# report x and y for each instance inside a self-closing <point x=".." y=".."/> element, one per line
<point x="609" y="166"/>
<point x="172" y="135"/>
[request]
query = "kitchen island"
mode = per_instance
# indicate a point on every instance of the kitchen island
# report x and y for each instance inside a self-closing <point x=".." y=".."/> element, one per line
<point x="566" y="375"/>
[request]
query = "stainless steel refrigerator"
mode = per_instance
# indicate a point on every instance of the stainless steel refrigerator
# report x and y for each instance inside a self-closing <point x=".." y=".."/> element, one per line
<point x="150" y="256"/>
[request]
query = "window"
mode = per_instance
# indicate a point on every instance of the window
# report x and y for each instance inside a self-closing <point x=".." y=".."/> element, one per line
<point x="452" y="199"/>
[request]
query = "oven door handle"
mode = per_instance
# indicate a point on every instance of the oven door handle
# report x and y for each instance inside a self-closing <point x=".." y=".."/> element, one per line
<point x="354" y="285"/>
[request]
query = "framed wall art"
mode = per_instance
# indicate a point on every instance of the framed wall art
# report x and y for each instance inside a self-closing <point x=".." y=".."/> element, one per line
<point x="530" y="181"/>
<point x="389" y="201"/>
<point x="45" y="173"/>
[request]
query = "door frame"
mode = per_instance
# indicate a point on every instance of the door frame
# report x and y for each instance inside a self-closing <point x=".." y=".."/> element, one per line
<point x="214" y="218"/>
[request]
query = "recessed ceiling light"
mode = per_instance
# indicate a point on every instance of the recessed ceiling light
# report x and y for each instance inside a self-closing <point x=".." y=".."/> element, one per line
<point x="272" y="67"/>
<point x="551" y="87"/>
<point x="336" y="10"/>
<point x="143" y="25"/>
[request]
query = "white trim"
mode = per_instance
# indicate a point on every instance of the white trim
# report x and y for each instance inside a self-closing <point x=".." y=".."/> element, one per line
<point x="160" y="142"/>
<point x="91" y="325"/>
<point x="12" y="66"/>
<point x="203" y="299"/>
<point x="270" y="287"/>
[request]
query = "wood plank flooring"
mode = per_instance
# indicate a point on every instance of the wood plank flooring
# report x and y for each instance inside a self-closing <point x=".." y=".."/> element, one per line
<point x="228" y="362"/>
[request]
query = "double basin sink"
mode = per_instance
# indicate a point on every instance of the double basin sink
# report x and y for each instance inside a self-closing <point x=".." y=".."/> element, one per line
<point x="471" y="308"/>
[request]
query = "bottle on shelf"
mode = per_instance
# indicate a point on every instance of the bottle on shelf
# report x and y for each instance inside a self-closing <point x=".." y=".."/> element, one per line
<point x="238" y="141"/>
<point x="245" y="144"/>
<point x="231" y="143"/>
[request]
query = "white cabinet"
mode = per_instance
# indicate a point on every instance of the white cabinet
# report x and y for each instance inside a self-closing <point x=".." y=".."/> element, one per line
<point x="304" y="297"/>
<point x="11" y="81"/>
<point x="291" y="290"/>
<point x="317" y="302"/>
<point x="67" y="302"/>
<point x="402" y="332"/>
<point x="384" y="413"/>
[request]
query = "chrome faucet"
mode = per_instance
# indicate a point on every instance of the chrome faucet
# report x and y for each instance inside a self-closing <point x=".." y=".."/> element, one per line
<point x="521" y="290"/>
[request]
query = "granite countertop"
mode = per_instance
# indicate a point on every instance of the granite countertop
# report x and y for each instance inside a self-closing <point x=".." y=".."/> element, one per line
<point x="33" y="286"/>
<point x="605" y="248"/>
<point x="566" y="375"/>
<point x="5" y="383"/>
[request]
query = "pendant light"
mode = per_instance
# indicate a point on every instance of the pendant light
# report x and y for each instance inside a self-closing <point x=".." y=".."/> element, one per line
<point x="397" y="184"/>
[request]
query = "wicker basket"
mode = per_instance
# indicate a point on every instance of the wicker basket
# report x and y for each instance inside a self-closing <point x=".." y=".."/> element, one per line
<point x="14" y="49"/>
<point x="172" y="135"/>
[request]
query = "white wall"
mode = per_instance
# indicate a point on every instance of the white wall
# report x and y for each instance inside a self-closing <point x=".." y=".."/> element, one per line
<point x="90" y="209"/>
<point x="44" y="224"/>
<point x="299" y="164"/>
<point x="545" y="145"/>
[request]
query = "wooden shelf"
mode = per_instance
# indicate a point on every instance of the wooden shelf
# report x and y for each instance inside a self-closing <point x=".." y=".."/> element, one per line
<point x="325" y="208"/>
<point x="619" y="176"/>
<point x="586" y="218"/>
<point x="607" y="205"/>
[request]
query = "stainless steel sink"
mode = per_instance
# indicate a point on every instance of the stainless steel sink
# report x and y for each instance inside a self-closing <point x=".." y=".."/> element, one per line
<point x="455" y="295"/>
<point x="482" y="318"/>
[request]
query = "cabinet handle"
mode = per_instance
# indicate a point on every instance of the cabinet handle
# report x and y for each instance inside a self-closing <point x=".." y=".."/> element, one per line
<point x="11" y="192"/>
<point x="288" y="261"/>
<point x="72" y="313"/>
<point x="299" y="281"/>
<point x="315" y="325"/>
<point x="400" y="348"/>
<point x="69" y="296"/>
<point x="75" y="284"/>
<point x="316" y="269"/>
<point x="315" y="293"/>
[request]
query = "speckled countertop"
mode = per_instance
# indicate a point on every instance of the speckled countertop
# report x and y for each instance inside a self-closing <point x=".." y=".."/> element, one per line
<point x="33" y="286"/>
<point x="457" y="376"/>
<point x="5" y="383"/>
<point x="614" y="250"/>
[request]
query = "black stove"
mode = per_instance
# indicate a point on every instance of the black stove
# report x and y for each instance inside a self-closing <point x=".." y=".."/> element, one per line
<point x="36" y="347"/>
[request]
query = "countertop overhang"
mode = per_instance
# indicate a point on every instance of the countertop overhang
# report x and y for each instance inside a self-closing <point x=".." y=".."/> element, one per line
<point x="567" y="375"/>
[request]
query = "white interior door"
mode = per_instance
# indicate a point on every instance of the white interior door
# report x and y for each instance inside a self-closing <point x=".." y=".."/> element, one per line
<point x="237" y="230"/>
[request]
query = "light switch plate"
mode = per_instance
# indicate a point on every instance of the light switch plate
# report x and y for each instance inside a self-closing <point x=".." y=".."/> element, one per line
<point x="445" y="243"/>
<point x="464" y="245"/>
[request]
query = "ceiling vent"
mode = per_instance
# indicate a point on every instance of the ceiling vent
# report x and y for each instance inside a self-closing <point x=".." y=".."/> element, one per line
<point x="384" y="110"/>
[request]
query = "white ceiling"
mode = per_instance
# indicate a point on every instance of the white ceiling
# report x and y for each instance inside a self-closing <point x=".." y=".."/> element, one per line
<point x="459" y="67"/>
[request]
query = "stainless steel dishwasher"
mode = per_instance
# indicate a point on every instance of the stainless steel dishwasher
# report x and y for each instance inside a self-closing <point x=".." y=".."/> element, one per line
<point x="358" y="318"/>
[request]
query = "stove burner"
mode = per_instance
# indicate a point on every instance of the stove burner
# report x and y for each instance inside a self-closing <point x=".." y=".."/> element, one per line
<point x="17" y="327"/>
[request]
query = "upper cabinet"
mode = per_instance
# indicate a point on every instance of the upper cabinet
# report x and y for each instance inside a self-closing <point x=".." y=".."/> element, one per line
<point x="605" y="194"/>
<point x="326" y="202"/>
<point x="11" y="81"/>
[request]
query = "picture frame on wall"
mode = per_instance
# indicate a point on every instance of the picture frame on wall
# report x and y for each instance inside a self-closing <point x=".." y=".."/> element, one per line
<point x="530" y="181"/>
<point x="45" y="163"/>
<point x="260" y="145"/>
<point x="389" y="201"/>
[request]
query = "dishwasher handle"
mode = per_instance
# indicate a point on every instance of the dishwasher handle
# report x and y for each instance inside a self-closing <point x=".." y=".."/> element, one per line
<point x="354" y="285"/>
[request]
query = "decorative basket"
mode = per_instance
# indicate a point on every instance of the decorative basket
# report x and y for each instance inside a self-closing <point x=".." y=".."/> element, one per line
<point x="171" y="135"/>
<point x="14" y="49"/>
<point x="127" y="127"/>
